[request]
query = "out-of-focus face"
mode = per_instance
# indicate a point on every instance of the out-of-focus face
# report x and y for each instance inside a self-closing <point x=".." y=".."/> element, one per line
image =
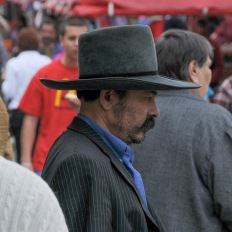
<point x="204" y="77"/>
<point x="69" y="40"/>
<point x="47" y="34"/>
<point x="133" y="116"/>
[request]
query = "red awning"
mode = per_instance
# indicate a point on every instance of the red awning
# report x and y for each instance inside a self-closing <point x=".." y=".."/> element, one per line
<point x="96" y="8"/>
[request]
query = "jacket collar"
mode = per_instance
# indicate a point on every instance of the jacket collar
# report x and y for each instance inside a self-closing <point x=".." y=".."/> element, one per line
<point x="181" y="93"/>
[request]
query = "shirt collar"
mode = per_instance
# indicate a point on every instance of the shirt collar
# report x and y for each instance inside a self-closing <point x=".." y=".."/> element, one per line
<point x="116" y="145"/>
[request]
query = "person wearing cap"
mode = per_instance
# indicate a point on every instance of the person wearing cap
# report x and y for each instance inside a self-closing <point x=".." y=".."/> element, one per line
<point x="187" y="159"/>
<point x="89" y="167"/>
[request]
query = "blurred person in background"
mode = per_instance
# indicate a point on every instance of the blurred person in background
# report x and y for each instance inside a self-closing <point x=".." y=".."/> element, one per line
<point x="174" y="22"/>
<point x="186" y="162"/>
<point x="223" y="32"/>
<point x="4" y="55"/>
<point x="16" y="25"/>
<point x="223" y="95"/>
<point x="202" y="28"/>
<point x="51" y="107"/>
<point x="48" y="39"/>
<point x="18" y="74"/>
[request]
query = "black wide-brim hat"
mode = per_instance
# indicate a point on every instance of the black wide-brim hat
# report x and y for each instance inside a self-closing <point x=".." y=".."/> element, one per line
<point x="118" y="58"/>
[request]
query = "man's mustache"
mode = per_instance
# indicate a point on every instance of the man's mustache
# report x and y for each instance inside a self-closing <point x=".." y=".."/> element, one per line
<point x="148" y="124"/>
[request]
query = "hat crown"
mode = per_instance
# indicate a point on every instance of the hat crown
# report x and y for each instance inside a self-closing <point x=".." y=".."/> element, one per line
<point x="117" y="51"/>
<point x="118" y="58"/>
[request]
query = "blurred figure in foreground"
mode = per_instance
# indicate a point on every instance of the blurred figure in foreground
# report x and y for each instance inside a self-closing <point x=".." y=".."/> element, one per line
<point x="186" y="162"/>
<point x="223" y="95"/>
<point x="27" y="202"/>
<point x="18" y="74"/>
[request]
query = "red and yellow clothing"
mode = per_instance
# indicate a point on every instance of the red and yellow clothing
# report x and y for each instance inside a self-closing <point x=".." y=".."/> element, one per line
<point x="50" y="106"/>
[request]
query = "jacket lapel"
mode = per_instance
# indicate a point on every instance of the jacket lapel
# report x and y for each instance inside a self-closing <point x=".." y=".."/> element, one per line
<point x="82" y="127"/>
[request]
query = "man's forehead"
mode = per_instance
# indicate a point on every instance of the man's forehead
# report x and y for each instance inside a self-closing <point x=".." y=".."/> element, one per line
<point x="73" y="29"/>
<point x="47" y="25"/>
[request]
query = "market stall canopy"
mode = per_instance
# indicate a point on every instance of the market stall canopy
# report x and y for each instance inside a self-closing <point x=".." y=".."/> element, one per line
<point x="96" y="8"/>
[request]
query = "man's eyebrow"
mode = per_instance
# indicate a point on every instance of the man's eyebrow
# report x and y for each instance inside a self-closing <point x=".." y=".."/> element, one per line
<point x="154" y="92"/>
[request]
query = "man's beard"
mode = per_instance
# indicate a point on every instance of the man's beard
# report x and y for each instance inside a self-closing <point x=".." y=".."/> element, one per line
<point x="133" y="133"/>
<point x="47" y="41"/>
<point x="146" y="126"/>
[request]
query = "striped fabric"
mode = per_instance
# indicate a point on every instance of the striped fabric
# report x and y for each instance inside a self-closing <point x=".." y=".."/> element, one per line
<point x="94" y="188"/>
<point x="223" y="95"/>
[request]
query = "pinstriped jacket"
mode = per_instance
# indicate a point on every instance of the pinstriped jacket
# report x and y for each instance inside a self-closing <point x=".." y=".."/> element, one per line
<point x="93" y="187"/>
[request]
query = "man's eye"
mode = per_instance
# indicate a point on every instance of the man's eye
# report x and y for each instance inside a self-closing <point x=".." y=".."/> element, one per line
<point x="72" y="38"/>
<point x="148" y="99"/>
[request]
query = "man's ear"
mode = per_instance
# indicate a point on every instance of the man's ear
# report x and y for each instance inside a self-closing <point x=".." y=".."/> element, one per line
<point x="193" y="69"/>
<point x="106" y="98"/>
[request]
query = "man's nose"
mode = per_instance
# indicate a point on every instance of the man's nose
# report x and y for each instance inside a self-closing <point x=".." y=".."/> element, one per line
<point x="76" y="42"/>
<point x="154" y="111"/>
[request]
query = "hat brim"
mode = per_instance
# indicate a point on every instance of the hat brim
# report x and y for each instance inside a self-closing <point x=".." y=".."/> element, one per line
<point x="155" y="82"/>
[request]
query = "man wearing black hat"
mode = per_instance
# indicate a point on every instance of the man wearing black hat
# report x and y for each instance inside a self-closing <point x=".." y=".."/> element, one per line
<point x="89" y="166"/>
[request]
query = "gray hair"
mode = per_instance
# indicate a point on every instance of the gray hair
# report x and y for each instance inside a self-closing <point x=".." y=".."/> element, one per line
<point x="177" y="48"/>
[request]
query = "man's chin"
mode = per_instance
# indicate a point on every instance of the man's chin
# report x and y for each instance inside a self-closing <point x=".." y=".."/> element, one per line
<point x="138" y="139"/>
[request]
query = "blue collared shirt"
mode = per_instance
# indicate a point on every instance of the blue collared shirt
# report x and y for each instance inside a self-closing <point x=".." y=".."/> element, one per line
<point x="120" y="149"/>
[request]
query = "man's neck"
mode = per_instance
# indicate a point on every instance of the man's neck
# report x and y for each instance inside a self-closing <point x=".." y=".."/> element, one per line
<point x="91" y="110"/>
<point x="68" y="62"/>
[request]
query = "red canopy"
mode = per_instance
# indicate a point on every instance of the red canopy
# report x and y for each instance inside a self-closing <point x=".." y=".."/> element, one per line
<point x="96" y="8"/>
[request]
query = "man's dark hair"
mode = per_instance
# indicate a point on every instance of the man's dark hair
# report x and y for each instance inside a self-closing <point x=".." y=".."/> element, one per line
<point x="88" y="95"/>
<point x="48" y="21"/>
<point x="72" y="21"/>
<point x="174" y="23"/>
<point x="177" y="48"/>
<point x="92" y="95"/>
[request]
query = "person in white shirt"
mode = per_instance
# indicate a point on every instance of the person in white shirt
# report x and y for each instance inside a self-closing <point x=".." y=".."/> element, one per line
<point x="18" y="74"/>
